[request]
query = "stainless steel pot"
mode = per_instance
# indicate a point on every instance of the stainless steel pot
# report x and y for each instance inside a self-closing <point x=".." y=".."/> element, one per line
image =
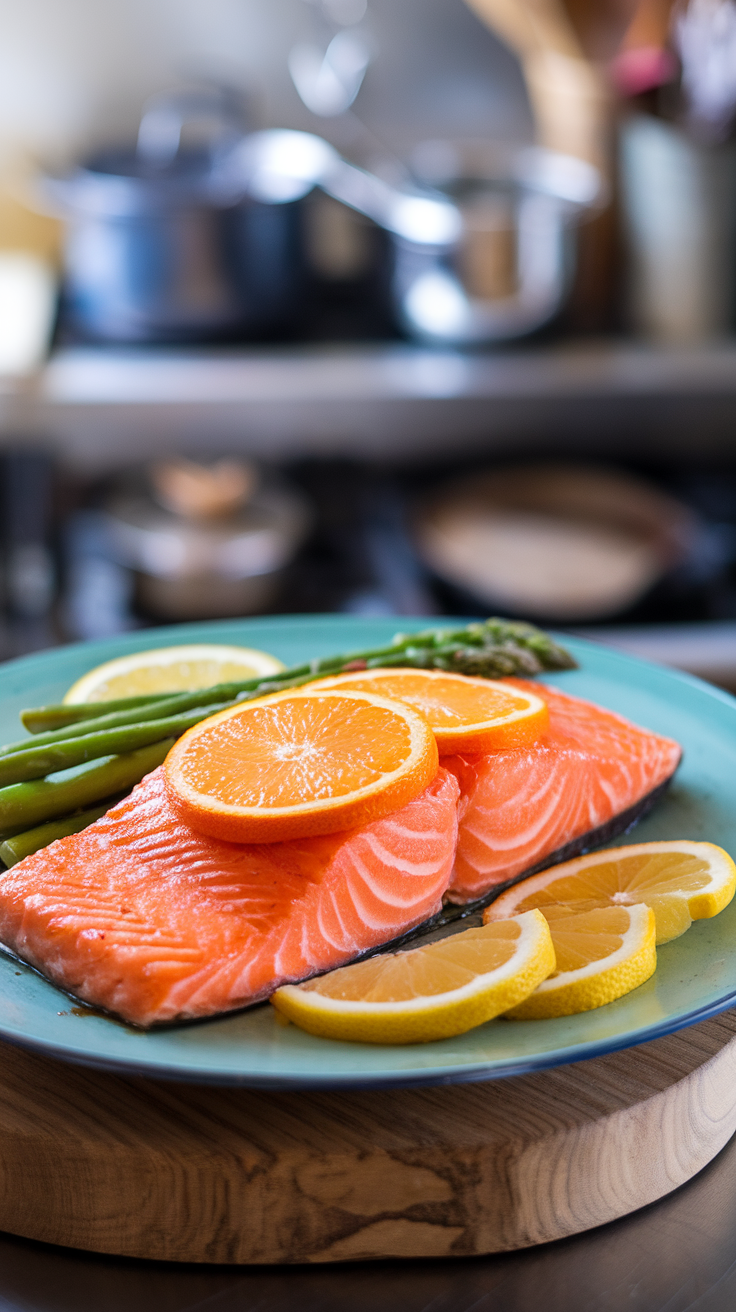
<point x="511" y="266"/>
<point x="167" y="243"/>
<point x="545" y="194"/>
<point x="201" y="565"/>
<point x="160" y="248"/>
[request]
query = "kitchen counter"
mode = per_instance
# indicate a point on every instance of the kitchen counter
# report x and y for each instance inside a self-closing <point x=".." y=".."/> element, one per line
<point x="678" y="1255"/>
<point x="384" y="401"/>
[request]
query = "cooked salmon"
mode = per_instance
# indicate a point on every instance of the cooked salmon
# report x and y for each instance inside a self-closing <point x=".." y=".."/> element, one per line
<point x="141" y="915"/>
<point x="518" y="808"/>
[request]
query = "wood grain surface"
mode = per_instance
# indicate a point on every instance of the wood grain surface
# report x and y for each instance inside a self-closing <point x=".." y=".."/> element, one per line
<point x="156" y="1170"/>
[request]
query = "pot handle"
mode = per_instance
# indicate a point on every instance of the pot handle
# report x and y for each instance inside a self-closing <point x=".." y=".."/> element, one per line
<point x="432" y="301"/>
<point x="435" y="306"/>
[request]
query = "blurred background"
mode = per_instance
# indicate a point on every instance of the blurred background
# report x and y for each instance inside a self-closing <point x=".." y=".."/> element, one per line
<point x="373" y="306"/>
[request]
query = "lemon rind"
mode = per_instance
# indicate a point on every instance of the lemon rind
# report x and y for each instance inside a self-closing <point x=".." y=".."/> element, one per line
<point x="438" y="1016"/>
<point x="702" y="904"/>
<point x="262" y="662"/>
<point x="600" y="982"/>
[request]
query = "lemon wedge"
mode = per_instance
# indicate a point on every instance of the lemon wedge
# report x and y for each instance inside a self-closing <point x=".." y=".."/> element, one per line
<point x="426" y="993"/>
<point x="601" y="955"/>
<point x="681" y="881"/>
<point x="171" y="669"/>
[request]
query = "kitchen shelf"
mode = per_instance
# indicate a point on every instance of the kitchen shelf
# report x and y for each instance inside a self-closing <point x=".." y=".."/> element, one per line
<point x="100" y="407"/>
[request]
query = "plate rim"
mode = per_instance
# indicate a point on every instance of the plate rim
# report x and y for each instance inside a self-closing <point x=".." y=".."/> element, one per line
<point x="426" y="1078"/>
<point x="468" y="1072"/>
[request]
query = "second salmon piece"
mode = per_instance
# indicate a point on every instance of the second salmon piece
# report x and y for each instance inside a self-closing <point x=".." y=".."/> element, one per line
<point x="144" y="917"/>
<point x="522" y="808"/>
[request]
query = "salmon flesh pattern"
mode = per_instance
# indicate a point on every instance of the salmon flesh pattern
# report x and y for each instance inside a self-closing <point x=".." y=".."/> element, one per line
<point x="144" y="917"/>
<point x="519" y="807"/>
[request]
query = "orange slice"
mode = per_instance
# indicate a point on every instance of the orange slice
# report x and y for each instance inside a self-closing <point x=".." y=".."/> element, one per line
<point x="300" y="763"/>
<point x="466" y="714"/>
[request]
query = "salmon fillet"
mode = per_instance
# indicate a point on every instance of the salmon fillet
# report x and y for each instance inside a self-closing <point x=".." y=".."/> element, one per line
<point x="141" y="915"/>
<point x="519" y="807"/>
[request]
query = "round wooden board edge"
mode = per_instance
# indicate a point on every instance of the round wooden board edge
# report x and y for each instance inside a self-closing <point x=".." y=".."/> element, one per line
<point x="155" y="1170"/>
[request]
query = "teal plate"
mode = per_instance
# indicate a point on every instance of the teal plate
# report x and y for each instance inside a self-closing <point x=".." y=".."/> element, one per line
<point x="696" y="974"/>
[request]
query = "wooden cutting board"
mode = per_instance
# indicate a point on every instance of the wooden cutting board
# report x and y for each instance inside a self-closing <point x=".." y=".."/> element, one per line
<point x="155" y="1170"/>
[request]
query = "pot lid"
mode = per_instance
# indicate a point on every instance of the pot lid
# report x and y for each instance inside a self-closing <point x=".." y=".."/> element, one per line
<point x="161" y="172"/>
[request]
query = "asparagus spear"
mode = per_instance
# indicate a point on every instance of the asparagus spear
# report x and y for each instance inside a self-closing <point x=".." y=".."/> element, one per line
<point x="215" y="698"/>
<point x="36" y="761"/>
<point x="57" y="717"/>
<point x="157" y="710"/>
<point x="490" y="649"/>
<point x="25" y="805"/>
<point x="68" y="734"/>
<point x="39" y="721"/>
<point x="32" y="840"/>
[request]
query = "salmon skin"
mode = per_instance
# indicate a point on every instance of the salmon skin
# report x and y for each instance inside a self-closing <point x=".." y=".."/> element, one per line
<point x="525" y="809"/>
<point x="140" y="915"/>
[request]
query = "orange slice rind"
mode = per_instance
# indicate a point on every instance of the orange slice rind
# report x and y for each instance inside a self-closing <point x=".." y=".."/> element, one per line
<point x="298" y="764"/>
<point x="426" y="993"/>
<point x="466" y="714"/>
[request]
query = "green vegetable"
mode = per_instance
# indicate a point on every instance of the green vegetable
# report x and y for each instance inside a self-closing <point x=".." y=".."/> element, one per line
<point x="489" y="649"/>
<point x="37" y="761"/>
<point x="57" y="717"/>
<point x="157" y="710"/>
<point x="32" y="840"/>
<point x="68" y="737"/>
<point x="25" y="805"/>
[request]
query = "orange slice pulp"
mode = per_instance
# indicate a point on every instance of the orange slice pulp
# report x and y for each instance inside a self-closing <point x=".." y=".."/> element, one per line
<point x="300" y="763"/>
<point x="466" y="714"/>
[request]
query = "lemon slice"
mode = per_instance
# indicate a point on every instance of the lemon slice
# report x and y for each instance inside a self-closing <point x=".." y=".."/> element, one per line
<point x="171" y="669"/>
<point x="601" y="955"/>
<point x="427" y="993"/>
<point x="679" y="880"/>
